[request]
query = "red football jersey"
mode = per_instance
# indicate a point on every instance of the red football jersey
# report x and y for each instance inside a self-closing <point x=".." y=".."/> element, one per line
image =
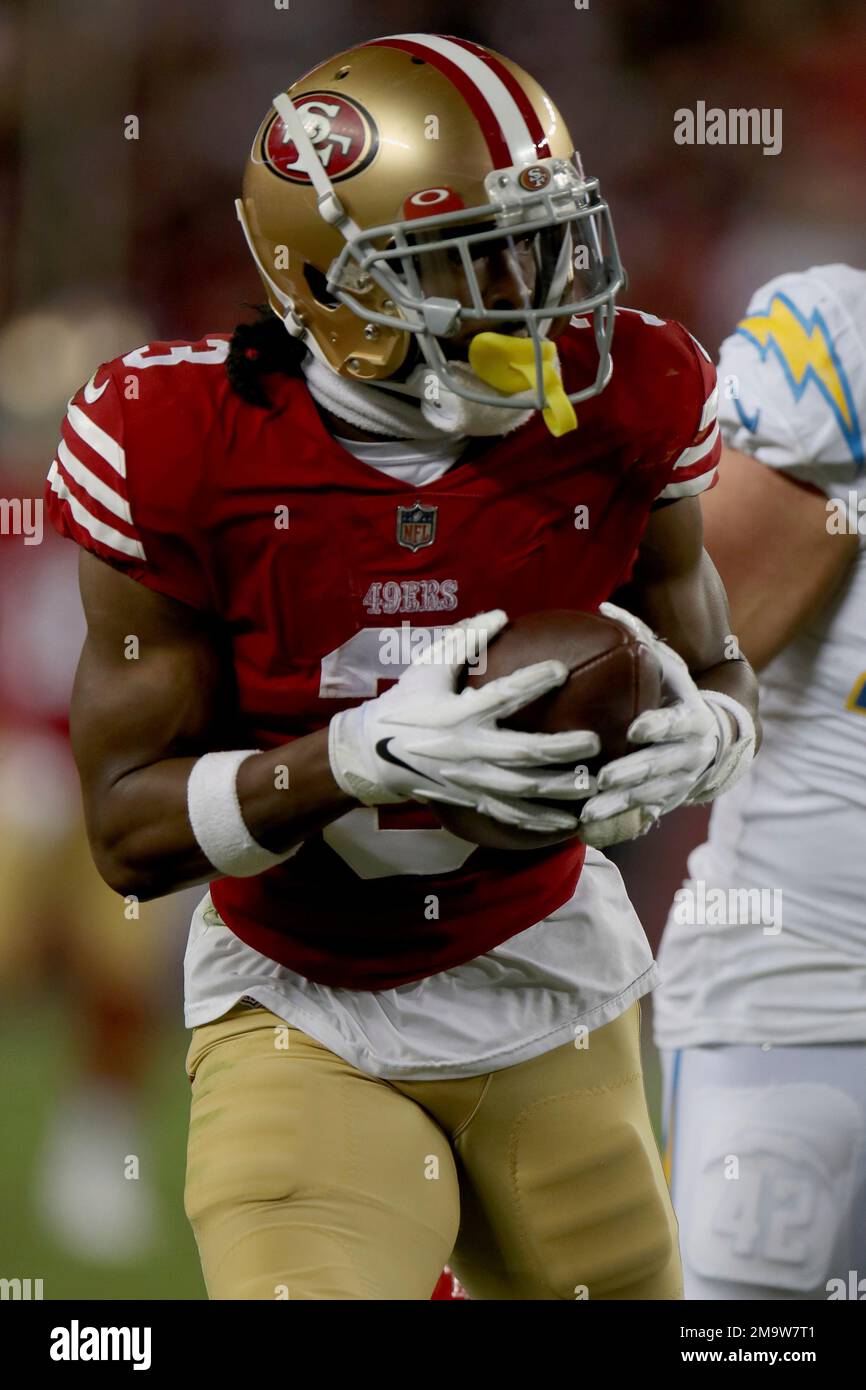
<point x="318" y="565"/>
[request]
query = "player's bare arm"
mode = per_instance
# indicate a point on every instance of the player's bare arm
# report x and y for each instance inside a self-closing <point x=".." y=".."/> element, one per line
<point x="679" y="593"/>
<point x="139" y="723"/>
<point x="702" y="739"/>
<point x="801" y="563"/>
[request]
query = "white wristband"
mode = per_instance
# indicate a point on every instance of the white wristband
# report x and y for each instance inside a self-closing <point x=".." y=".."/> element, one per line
<point x="215" y="816"/>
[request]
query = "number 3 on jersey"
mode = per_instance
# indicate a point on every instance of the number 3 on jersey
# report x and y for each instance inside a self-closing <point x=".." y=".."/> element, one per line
<point x="356" y="670"/>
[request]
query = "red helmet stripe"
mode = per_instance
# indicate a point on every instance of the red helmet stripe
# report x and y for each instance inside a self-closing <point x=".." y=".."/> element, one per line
<point x="527" y="110"/>
<point x="474" y="98"/>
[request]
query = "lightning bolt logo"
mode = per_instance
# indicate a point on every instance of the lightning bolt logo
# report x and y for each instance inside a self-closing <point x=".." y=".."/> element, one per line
<point x="804" y="348"/>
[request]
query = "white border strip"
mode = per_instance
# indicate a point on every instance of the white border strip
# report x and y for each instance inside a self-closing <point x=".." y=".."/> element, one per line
<point x="514" y="128"/>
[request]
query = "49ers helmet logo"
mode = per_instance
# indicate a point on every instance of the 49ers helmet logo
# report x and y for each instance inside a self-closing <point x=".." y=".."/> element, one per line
<point x="343" y="133"/>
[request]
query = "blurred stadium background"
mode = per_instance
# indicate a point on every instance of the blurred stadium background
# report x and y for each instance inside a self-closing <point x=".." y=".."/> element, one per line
<point x="107" y="241"/>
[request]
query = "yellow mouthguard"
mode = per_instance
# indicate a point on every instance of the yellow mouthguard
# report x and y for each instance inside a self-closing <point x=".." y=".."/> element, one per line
<point x="508" y="365"/>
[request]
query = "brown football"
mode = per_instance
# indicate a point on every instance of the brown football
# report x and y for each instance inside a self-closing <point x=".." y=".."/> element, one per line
<point x="612" y="679"/>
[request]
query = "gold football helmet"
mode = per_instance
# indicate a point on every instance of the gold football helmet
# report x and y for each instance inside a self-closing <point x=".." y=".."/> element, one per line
<point x="418" y="194"/>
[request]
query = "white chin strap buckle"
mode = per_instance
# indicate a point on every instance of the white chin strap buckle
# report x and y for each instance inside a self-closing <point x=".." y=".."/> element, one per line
<point x="440" y="316"/>
<point x="293" y="324"/>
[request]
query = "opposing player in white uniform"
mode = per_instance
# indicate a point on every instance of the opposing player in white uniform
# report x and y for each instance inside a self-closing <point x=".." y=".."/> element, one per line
<point x="761" y="1014"/>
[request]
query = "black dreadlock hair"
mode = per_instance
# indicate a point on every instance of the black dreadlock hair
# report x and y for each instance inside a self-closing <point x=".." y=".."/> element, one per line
<point x="257" y="349"/>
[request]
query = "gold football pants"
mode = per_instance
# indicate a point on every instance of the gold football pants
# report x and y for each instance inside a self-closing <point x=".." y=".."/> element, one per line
<point x="308" y="1179"/>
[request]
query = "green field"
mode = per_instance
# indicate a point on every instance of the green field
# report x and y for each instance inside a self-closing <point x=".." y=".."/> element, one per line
<point x="35" y="1065"/>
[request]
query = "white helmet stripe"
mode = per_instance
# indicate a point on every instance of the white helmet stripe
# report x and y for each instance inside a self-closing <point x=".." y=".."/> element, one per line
<point x="491" y="87"/>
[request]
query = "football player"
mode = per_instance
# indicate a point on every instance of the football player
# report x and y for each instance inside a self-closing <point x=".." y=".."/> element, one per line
<point x="762" y="1010"/>
<point x="398" y="1033"/>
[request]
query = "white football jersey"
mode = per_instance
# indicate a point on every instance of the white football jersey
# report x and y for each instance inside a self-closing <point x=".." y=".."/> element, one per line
<point x="766" y="942"/>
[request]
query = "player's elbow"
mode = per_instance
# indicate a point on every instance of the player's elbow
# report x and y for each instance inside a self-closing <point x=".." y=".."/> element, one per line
<point x="123" y="861"/>
<point x="123" y="876"/>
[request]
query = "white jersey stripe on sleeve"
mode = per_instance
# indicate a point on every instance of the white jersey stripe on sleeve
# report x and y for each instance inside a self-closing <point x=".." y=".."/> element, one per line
<point x="695" y="452"/>
<point x="99" y="530"/>
<point x="700" y="347"/>
<point x="93" y="486"/>
<point x="690" y="487"/>
<point x="100" y="442"/>
<point x="710" y="411"/>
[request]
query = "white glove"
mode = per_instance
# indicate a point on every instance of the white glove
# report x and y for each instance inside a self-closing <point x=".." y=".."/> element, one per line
<point x="422" y="741"/>
<point x="694" y="753"/>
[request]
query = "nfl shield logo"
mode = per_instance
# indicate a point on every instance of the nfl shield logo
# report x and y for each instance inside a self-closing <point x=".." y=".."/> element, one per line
<point x="416" y="526"/>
